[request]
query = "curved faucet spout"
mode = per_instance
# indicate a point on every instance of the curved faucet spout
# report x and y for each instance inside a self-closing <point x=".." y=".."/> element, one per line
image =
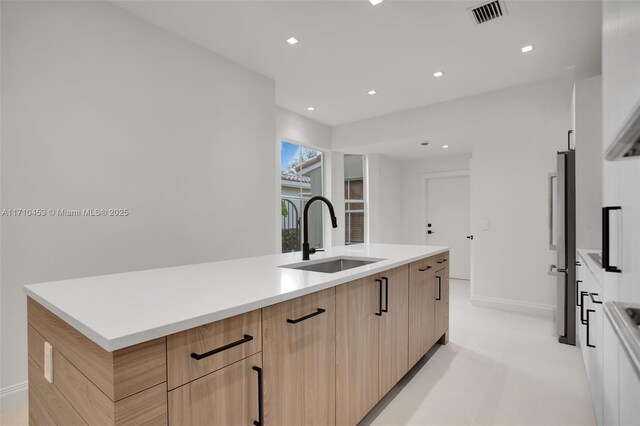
<point x="306" y="251"/>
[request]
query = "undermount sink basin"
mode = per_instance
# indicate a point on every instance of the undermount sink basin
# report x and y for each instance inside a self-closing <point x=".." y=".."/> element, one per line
<point x="332" y="265"/>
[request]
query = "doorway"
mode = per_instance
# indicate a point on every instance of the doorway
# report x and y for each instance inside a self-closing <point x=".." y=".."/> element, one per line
<point x="447" y="218"/>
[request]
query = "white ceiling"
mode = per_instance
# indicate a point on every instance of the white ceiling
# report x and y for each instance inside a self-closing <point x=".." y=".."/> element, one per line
<point x="349" y="47"/>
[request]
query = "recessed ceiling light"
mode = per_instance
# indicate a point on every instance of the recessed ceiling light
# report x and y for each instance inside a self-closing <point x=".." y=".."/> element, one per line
<point x="438" y="74"/>
<point x="292" y="40"/>
<point x="527" y="48"/>
<point x="310" y="108"/>
<point x="371" y="92"/>
<point x="375" y="2"/>
<point x="445" y="146"/>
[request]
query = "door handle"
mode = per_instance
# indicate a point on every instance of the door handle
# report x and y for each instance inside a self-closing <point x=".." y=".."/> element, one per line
<point x="379" y="313"/>
<point x="470" y="237"/>
<point x="605" y="240"/>
<point x="386" y="294"/>
<point x="260" y="420"/>
<point x="561" y="270"/>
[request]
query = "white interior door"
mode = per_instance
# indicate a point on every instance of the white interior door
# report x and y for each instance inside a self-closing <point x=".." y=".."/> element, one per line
<point x="447" y="208"/>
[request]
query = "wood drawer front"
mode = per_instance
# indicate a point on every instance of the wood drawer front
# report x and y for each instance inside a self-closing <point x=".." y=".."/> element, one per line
<point x="226" y="397"/>
<point x="182" y="368"/>
<point x="441" y="261"/>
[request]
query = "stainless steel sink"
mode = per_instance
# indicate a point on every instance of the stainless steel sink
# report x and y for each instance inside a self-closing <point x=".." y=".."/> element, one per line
<point x="332" y="265"/>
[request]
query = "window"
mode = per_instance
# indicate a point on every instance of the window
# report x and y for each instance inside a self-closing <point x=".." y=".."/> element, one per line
<point x="301" y="177"/>
<point x="354" y="199"/>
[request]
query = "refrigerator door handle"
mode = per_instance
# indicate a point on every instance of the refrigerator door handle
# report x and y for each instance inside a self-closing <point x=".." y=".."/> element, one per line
<point x="553" y="179"/>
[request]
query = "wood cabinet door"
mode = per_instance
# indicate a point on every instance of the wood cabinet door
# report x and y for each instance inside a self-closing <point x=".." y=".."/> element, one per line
<point x="394" y="328"/>
<point x="422" y="305"/>
<point x="442" y="302"/>
<point x="225" y="397"/>
<point x="299" y="360"/>
<point x="357" y="346"/>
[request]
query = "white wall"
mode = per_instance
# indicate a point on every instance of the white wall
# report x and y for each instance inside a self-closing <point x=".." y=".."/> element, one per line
<point x="514" y="135"/>
<point x="587" y="133"/>
<point x="297" y="128"/>
<point x="384" y="195"/>
<point x="509" y="187"/>
<point x="415" y="227"/>
<point x="103" y="110"/>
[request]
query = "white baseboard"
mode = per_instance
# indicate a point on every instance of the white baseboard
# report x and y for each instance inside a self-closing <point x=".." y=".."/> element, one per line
<point x="14" y="395"/>
<point x="537" y="309"/>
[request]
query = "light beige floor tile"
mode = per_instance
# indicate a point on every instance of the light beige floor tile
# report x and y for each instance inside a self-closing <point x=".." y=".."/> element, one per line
<point x="498" y="368"/>
<point x="18" y="416"/>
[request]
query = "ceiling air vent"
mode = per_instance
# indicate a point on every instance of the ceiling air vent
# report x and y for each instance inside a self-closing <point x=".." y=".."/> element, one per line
<point x="488" y="11"/>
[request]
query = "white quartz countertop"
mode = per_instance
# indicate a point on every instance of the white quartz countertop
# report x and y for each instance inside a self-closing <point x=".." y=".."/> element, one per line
<point x="595" y="269"/>
<point x="120" y="310"/>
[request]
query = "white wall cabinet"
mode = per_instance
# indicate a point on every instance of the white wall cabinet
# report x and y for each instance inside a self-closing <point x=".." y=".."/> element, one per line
<point x="621" y="180"/>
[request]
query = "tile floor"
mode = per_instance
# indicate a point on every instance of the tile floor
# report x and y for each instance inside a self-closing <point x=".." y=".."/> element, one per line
<point x="498" y="368"/>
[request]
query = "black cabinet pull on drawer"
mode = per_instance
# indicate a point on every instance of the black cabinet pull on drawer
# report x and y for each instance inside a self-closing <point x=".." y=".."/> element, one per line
<point x="597" y="302"/>
<point x="306" y="317"/>
<point x="587" y="324"/>
<point x="442" y="261"/>
<point x="426" y="268"/>
<point x="582" y="295"/>
<point x="245" y="339"/>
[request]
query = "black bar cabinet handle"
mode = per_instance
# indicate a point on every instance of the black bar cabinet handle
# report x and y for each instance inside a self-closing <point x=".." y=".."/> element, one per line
<point x="588" y="342"/>
<point x="605" y="240"/>
<point x="578" y="292"/>
<point x="379" y="313"/>
<point x="439" y="287"/>
<point x="245" y="339"/>
<point x="442" y="261"/>
<point x="426" y="268"/>
<point x="306" y="317"/>
<point x="260" y="420"/>
<point x="582" y="295"/>
<point x="597" y="302"/>
<point x="386" y="294"/>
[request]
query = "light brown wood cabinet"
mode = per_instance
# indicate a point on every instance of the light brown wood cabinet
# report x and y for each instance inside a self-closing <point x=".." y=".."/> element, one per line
<point x="225" y="397"/>
<point x="442" y="302"/>
<point x="394" y="329"/>
<point x="328" y="357"/>
<point x="422" y="305"/>
<point x="371" y="341"/>
<point x="357" y="348"/>
<point x="299" y="360"/>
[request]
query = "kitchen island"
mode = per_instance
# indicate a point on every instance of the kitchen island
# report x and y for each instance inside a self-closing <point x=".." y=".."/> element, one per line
<point x="246" y="341"/>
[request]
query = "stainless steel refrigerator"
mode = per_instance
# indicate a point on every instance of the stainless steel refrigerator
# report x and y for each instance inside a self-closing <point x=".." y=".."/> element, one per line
<point x="562" y="237"/>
